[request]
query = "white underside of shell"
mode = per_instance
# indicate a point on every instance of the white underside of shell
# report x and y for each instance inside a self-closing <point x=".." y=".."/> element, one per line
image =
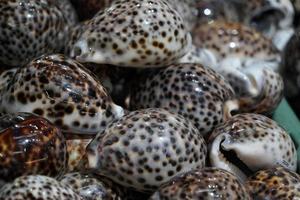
<point x="279" y="33"/>
<point x="255" y="154"/>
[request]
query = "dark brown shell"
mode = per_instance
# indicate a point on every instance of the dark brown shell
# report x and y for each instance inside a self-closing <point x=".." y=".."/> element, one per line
<point x="276" y="183"/>
<point x="30" y="145"/>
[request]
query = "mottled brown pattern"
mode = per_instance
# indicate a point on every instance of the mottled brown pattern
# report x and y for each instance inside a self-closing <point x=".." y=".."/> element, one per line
<point x="63" y="91"/>
<point x="30" y="145"/>
<point x="274" y="183"/>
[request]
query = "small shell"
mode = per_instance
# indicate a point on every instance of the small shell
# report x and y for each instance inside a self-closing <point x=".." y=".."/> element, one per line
<point x="276" y="183"/>
<point x="37" y="187"/>
<point x="30" y="145"/>
<point x="247" y="143"/>
<point x="134" y="34"/>
<point x="147" y="148"/>
<point x="191" y="90"/>
<point x="30" y="28"/>
<point x="208" y="183"/>
<point x="90" y="186"/>
<point x="63" y="91"/>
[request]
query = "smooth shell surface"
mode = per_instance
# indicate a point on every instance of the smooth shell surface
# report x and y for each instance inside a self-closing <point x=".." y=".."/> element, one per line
<point x="37" y="187"/>
<point x="91" y="187"/>
<point x="31" y="28"/>
<point x="232" y="44"/>
<point x="276" y="183"/>
<point x="191" y="90"/>
<point x="274" y="18"/>
<point x="30" y="145"/>
<point x="63" y="91"/>
<point x="247" y="143"/>
<point x="245" y="58"/>
<point x="208" y="183"/>
<point x="134" y="33"/>
<point x="147" y="148"/>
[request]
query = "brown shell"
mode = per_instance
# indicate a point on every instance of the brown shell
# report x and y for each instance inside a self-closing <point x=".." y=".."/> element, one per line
<point x="30" y="145"/>
<point x="276" y="183"/>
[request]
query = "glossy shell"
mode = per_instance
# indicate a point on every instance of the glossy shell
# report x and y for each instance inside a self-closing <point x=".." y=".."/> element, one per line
<point x="246" y="59"/>
<point x="63" y="91"/>
<point x="29" y="29"/>
<point x="274" y="18"/>
<point x="208" y="183"/>
<point x="30" y="145"/>
<point x="276" y="183"/>
<point x="191" y="90"/>
<point x="235" y="44"/>
<point x="147" y="148"/>
<point x="89" y="186"/>
<point x="134" y="34"/>
<point x="247" y="143"/>
<point x="37" y="187"/>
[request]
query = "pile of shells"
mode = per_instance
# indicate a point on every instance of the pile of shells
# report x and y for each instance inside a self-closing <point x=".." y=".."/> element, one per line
<point x="147" y="99"/>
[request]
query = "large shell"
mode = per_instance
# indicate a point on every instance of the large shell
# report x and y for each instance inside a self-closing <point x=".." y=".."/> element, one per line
<point x="37" y="187"/>
<point x="275" y="183"/>
<point x="30" y="145"/>
<point x="247" y="143"/>
<point x="208" y="183"/>
<point x="191" y="90"/>
<point x="147" y="148"/>
<point x="31" y="28"/>
<point x="63" y="91"/>
<point x="246" y="58"/>
<point x="134" y="33"/>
